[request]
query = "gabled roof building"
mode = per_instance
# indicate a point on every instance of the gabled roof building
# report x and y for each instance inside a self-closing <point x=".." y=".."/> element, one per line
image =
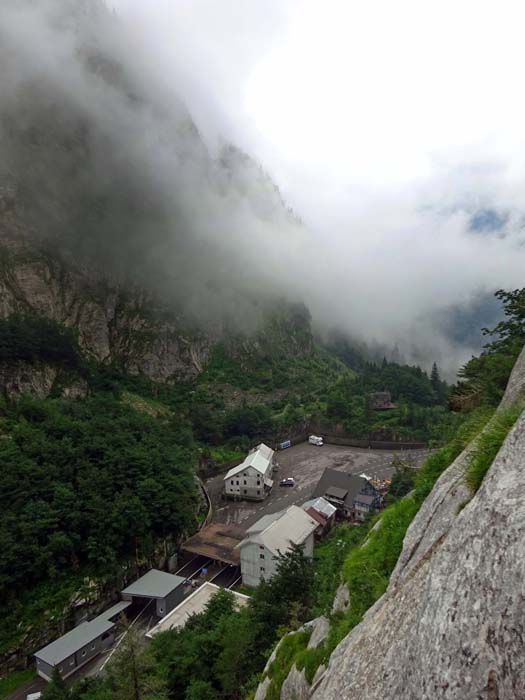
<point x="352" y="495"/>
<point x="272" y="536"/>
<point x="75" y="648"/>
<point x="323" y="512"/>
<point x="251" y="480"/>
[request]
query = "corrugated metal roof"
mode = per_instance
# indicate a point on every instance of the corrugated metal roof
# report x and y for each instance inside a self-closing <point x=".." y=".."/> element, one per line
<point x="293" y="527"/>
<point x="154" y="584"/>
<point x="321" y="505"/>
<point x="260" y="459"/>
<point x="71" y="642"/>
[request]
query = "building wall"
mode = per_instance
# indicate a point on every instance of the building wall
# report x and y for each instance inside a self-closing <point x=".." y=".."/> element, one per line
<point x="258" y="562"/>
<point x="248" y="484"/>
<point x="166" y="605"/>
<point x="77" y="659"/>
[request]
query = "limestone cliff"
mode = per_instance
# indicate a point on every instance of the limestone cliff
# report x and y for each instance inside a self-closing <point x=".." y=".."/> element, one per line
<point x="113" y="323"/>
<point x="451" y="623"/>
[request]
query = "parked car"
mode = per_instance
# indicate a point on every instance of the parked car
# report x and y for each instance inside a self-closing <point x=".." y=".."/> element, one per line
<point x="315" y="440"/>
<point x="290" y="481"/>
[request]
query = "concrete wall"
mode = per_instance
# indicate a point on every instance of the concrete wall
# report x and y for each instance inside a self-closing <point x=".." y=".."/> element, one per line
<point x="166" y="605"/>
<point x="257" y="562"/>
<point x="255" y="567"/>
<point x="249" y="485"/>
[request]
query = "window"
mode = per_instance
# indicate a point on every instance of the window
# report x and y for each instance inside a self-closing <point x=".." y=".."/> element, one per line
<point x="237" y="483"/>
<point x="258" y="493"/>
<point x="83" y="652"/>
<point x="245" y="491"/>
<point x="261" y="556"/>
<point x="232" y="482"/>
<point x="60" y="669"/>
<point x="92" y="646"/>
<point x="261" y="546"/>
<point x="245" y="482"/>
<point x="258" y="482"/>
<point x="262" y="568"/>
<point x="72" y="662"/>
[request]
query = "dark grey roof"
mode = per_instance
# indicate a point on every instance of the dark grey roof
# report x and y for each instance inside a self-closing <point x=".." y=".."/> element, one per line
<point x="365" y="499"/>
<point x="334" y="492"/>
<point x="154" y="584"/>
<point x="54" y="653"/>
<point x="114" y="610"/>
<point x="332" y="478"/>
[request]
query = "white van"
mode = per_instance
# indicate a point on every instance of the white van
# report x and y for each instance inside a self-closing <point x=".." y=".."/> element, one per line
<point x="315" y="440"/>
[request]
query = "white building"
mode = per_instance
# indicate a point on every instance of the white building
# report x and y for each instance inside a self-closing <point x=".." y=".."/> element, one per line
<point x="271" y="536"/>
<point x="251" y="480"/>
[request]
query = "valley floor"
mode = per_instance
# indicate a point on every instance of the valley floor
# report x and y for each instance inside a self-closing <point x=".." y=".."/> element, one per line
<point x="306" y="464"/>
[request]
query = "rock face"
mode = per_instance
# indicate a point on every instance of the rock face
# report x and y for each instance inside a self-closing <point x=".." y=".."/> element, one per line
<point x="451" y="623"/>
<point x="113" y="324"/>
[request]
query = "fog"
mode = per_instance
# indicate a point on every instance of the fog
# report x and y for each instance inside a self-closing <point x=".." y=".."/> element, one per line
<point x="394" y="134"/>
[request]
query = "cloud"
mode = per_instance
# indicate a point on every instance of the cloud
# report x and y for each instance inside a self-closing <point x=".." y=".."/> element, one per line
<point x="392" y="131"/>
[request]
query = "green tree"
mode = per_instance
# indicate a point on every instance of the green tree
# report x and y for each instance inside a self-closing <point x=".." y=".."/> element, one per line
<point x="133" y="674"/>
<point x="56" y="689"/>
<point x="200" y="690"/>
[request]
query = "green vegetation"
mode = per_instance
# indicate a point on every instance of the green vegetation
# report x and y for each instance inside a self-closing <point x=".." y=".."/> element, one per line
<point x="484" y="378"/>
<point x="371" y="556"/>
<point x="14" y="680"/>
<point x="421" y="403"/>
<point x="85" y="485"/>
<point x="34" y="338"/>
<point x="489" y="444"/>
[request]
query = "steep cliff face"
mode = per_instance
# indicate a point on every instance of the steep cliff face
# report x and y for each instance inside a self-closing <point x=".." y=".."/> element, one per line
<point x="450" y="624"/>
<point x="114" y="323"/>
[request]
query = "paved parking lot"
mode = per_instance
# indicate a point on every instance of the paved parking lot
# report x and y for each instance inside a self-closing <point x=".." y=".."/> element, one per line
<point x="306" y="463"/>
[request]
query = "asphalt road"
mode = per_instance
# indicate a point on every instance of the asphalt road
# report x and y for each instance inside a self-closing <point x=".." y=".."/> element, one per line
<point x="305" y="463"/>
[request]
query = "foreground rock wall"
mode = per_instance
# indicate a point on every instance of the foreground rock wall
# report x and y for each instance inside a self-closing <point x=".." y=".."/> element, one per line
<point x="451" y="624"/>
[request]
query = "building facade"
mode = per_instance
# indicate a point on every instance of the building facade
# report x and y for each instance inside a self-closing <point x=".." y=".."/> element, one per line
<point x="167" y="590"/>
<point x="272" y="536"/>
<point x="353" y="496"/>
<point x="251" y="480"/>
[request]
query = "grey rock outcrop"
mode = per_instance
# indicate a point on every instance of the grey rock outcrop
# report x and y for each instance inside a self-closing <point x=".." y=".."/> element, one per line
<point x="295" y="686"/>
<point x="451" y="623"/>
<point x="262" y="689"/>
<point x="114" y="323"/>
<point x="342" y="599"/>
<point x="320" y="628"/>
<point x="18" y="378"/>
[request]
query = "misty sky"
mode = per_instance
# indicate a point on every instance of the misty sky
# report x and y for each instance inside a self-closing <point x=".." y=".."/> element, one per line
<point x="394" y="130"/>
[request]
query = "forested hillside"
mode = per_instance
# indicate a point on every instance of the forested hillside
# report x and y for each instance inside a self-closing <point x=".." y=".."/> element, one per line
<point x="361" y="560"/>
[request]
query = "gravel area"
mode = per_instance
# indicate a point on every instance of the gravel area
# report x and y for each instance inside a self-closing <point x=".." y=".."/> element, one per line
<point x="306" y="463"/>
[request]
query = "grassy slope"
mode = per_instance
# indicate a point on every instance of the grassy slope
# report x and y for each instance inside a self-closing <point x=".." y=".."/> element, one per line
<point x="368" y="564"/>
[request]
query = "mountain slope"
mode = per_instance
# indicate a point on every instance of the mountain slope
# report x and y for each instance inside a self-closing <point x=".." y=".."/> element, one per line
<point x="450" y="624"/>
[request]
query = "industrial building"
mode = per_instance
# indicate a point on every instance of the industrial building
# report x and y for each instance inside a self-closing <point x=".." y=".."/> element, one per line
<point x="217" y="541"/>
<point x="167" y="590"/>
<point x="193" y="605"/>
<point x="271" y="536"/>
<point x="80" y="645"/>
<point x="251" y="480"/>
